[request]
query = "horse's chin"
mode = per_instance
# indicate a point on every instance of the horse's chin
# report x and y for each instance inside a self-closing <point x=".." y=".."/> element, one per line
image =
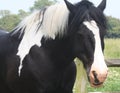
<point x="96" y="85"/>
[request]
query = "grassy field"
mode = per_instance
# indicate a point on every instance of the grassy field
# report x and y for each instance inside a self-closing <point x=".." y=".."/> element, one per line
<point x="112" y="84"/>
<point x="112" y="48"/>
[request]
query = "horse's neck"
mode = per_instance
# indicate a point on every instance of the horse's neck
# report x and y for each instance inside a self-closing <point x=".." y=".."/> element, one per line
<point x="60" y="50"/>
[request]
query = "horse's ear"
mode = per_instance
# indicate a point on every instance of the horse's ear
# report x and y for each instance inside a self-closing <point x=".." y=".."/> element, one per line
<point x="70" y="6"/>
<point x="102" y="5"/>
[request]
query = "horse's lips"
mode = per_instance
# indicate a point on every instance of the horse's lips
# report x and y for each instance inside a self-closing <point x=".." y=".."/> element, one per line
<point x="96" y="85"/>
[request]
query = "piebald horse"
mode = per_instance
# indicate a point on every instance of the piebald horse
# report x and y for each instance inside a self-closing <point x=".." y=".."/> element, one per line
<point x="38" y="55"/>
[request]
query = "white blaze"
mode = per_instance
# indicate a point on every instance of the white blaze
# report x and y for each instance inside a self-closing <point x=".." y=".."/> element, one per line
<point x="99" y="62"/>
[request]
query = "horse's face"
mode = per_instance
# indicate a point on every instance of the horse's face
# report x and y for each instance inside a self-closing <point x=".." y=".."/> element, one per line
<point x="89" y="48"/>
<point x="89" y="39"/>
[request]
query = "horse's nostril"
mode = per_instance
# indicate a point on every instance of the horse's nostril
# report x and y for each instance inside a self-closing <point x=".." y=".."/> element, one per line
<point x="95" y="77"/>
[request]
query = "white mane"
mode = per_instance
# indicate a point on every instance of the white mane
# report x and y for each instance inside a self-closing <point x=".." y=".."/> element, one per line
<point x="54" y="21"/>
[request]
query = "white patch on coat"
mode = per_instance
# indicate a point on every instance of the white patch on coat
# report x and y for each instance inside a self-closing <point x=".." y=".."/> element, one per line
<point x="29" y="39"/>
<point x="26" y="44"/>
<point x="99" y="62"/>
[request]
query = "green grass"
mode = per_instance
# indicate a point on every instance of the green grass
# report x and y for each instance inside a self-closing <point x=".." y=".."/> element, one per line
<point x="112" y="48"/>
<point x="112" y="84"/>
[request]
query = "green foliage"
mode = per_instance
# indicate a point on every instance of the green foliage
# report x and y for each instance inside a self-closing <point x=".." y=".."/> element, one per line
<point x="22" y="14"/>
<point x="42" y="3"/>
<point x="113" y="27"/>
<point x="8" y="22"/>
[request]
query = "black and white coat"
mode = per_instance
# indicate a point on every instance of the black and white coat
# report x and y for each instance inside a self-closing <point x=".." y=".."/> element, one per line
<point x="37" y="56"/>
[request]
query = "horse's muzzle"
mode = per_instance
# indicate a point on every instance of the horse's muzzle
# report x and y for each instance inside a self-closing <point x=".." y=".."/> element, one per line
<point x="97" y="79"/>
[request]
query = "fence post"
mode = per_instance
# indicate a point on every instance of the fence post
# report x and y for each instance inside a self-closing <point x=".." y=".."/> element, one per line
<point x="81" y="79"/>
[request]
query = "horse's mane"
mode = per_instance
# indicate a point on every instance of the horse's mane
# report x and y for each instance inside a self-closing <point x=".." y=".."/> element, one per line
<point x="50" y="21"/>
<point x="53" y="20"/>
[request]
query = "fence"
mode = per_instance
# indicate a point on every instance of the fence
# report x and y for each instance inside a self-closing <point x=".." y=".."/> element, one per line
<point x="113" y="62"/>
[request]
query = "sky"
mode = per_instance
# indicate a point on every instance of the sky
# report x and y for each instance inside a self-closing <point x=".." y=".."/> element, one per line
<point x="112" y="8"/>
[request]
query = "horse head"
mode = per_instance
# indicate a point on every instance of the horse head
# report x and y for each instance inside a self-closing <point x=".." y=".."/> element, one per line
<point x="87" y="24"/>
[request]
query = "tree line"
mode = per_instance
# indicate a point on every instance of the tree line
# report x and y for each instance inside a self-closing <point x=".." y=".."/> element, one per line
<point x="113" y="27"/>
<point x="8" y="21"/>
